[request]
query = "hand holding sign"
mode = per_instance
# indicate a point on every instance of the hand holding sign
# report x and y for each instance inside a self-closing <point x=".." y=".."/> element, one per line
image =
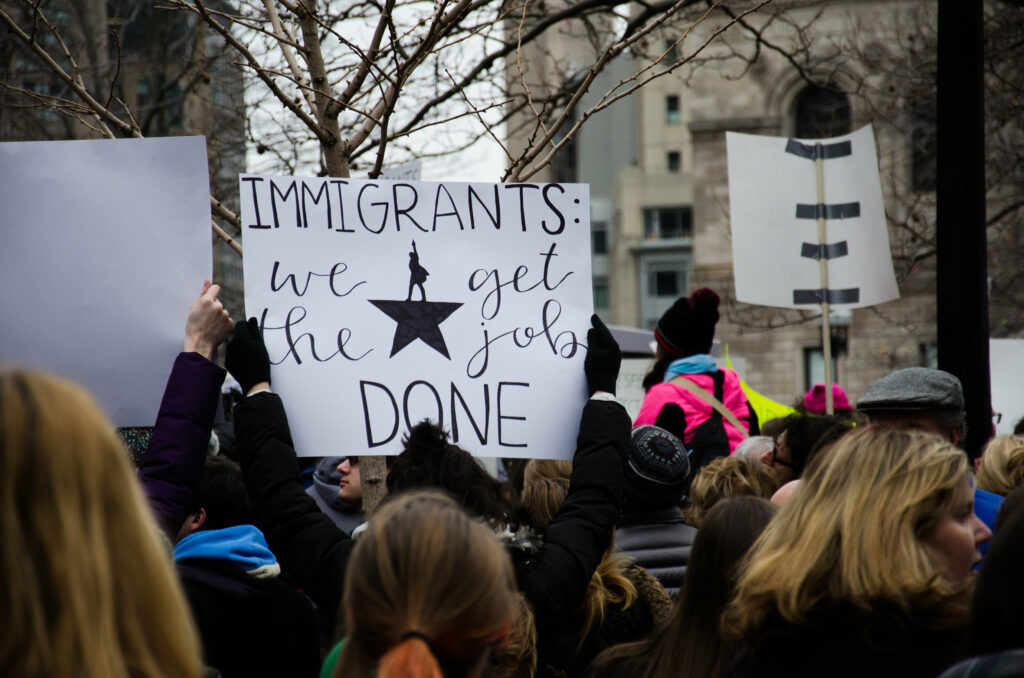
<point x="603" y="358"/>
<point x="247" y="359"/>
<point x="208" y="323"/>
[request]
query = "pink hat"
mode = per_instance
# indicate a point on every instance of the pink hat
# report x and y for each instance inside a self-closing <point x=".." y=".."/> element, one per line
<point x="814" y="401"/>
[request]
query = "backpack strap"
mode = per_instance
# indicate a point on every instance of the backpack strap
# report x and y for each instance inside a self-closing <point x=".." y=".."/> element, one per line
<point x="715" y="403"/>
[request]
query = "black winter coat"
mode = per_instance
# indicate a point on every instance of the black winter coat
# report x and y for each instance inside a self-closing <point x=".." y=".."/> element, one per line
<point x="660" y="542"/>
<point x="250" y="627"/>
<point x="839" y="646"/>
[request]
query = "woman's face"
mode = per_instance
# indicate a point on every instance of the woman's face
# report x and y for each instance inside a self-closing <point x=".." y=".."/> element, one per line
<point x="780" y="460"/>
<point x="955" y="538"/>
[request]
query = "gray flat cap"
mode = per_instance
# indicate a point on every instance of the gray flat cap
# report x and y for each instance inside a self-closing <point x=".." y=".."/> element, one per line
<point x="915" y="388"/>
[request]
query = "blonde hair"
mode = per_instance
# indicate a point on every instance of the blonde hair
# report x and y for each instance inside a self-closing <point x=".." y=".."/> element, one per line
<point x="545" y="487"/>
<point x="88" y="586"/>
<point x="1001" y="468"/>
<point x="852" y="537"/>
<point x="426" y="587"/>
<point x="727" y="477"/>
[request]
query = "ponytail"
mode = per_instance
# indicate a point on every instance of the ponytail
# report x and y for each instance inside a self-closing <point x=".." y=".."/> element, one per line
<point x="411" y="657"/>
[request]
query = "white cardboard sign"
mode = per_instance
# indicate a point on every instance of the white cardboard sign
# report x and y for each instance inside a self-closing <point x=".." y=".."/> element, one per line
<point x="1006" y="371"/>
<point x="384" y="303"/>
<point x="774" y="204"/>
<point x="103" y="246"/>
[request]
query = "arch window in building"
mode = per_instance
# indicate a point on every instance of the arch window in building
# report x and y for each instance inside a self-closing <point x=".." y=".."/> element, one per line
<point x="821" y="112"/>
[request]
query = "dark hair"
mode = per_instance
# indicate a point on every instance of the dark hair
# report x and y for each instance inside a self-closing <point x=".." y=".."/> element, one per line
<point x="1018" y="428"/>
<point x="430" y="461"/>
<point x="656" y="374"/>
<point x="689" y="642"/>
<point x="222" y="494"/>
<point x="997" y="609"/>
<point x="774" y="426"/>
<point x="806" y="435"/>
<point x="1011" y="505"/>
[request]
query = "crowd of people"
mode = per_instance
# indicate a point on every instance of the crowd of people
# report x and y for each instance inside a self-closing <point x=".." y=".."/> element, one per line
<point x="695" y="541"/>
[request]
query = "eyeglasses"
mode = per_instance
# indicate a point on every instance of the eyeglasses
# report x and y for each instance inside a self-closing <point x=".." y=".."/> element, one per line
<point x="353" y="461"/>
<point x="997" y="417"/>
<point x="777" y="460"/>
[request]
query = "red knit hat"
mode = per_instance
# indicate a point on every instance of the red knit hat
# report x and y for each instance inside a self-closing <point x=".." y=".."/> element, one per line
<point x="814" y="401"/>
<point x="689" y="326"/>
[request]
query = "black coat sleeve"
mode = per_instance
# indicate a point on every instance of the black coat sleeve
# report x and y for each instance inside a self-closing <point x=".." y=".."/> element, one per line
<point x="555" y="581"/>
<point x="309" y="546"/>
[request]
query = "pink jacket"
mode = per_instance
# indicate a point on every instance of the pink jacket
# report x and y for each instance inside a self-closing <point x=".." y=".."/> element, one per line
<point x="696" y="410"/>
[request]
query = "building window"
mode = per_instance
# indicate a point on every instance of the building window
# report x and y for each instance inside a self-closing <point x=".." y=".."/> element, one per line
<point x="599" y="237"/>
<point x="814" y="367"/>
<point x="672" y="115"/>
<point x="821" y="112"/>
<point x="664" y="277"/>
<point x="600" y="293"/>
<point x="673" y="160"/>
<point x="668" y="222"/>
<point x="671" y="57"/>
<point x="665" y="283"/>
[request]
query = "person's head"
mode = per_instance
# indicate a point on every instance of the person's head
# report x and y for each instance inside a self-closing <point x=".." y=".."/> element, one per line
<point x="656" y="470"/>
<point x="221" y="500"/>
<point x="814" y="401"/>
<point x="727" y="477"/>
<point x="689" y="643"/>
<point x="410" y="609"/>
<point x="917" y="398"/>
<point x="1001" y="467"/>
<point x="1018" y="428"/>
<point x="997" y="607"/>
<point x="754" y="448"/>
<point x="884" y="523"/>
<point x="774" y="426"/>
<point x="685" y="329"/>
<point x="73" y="520"/>
<point x="429" y="461"/>
<point x="797" y="444"/>
<point x="350" y="485"/>
<point x="545" y="487"/>
<point x="1011" y="504"/>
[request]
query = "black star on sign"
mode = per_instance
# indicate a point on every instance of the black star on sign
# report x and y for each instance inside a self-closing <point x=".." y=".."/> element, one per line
<point x="418" y="320"/>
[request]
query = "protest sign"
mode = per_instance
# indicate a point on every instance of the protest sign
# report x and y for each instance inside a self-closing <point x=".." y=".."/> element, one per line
<point x="103" y="246"/>
<point x="383" y="303"/>
<point x="774" y="206"/>
<point x="1006" y="369"/>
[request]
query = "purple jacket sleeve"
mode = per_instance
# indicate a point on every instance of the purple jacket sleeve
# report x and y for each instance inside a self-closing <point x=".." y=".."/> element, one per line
<point x="173" y="462"/>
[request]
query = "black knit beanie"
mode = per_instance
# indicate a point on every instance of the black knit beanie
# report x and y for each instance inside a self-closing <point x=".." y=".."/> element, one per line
<point x="656" y="470"/>
<point x="689" y="326"/>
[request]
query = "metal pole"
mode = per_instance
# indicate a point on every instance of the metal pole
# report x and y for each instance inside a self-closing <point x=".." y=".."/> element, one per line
<point x="962" y="266"/>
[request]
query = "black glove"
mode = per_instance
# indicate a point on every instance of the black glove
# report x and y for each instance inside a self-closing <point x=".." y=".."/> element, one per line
<point x="603" y="358"/>
<point x="247" y="358"/>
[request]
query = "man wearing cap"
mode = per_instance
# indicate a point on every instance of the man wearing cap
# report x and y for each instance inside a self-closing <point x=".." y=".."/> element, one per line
<point x="918" y="398"/>
<point x="652" y="529"/>
<point x="928" y="400"/>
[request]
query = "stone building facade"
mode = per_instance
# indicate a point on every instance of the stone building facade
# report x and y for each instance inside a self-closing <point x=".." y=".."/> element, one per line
<point x="657" y="166"/>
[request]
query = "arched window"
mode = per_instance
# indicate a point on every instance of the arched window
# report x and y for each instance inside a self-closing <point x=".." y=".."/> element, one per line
<point x="821" y="112"/>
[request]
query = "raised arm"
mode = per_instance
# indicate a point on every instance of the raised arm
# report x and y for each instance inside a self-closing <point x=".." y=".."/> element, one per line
<point x="579" y="534"/>
<point x="309" y="546"/>
<point x="173" y="462"/>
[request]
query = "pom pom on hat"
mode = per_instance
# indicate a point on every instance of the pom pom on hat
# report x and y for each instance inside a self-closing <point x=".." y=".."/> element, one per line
<point x="688" y="327"/>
